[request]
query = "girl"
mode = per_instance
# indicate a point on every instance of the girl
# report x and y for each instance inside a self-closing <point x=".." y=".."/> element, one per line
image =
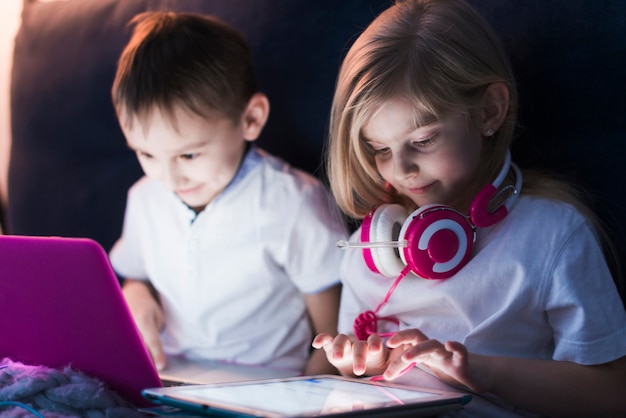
<point x="520" y="308"/>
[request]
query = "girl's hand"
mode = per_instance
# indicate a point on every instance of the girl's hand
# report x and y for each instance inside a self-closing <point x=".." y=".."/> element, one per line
<point x="357" y="358"/>
<point x="449" y="361"/>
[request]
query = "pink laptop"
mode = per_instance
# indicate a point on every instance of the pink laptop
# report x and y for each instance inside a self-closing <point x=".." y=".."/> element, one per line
<point x="61" y="304"/>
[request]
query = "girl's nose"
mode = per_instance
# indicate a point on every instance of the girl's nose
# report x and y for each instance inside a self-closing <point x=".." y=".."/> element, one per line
<point x="404" y="166"/>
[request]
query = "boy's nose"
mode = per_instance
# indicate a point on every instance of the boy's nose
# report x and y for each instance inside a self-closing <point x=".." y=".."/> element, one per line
<point x="170" y="176"/>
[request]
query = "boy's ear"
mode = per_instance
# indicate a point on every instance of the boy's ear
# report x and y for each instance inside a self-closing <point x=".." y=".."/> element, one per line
<point x="254" y="117"/>
<point x="495" y="107"/>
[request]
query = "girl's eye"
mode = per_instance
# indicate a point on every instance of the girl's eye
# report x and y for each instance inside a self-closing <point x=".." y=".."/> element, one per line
<point x="377" y="149"/>
<point x="426" y="142"/>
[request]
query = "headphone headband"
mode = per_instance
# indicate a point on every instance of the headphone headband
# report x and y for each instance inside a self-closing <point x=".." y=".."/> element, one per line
<point x="479" y="213"/>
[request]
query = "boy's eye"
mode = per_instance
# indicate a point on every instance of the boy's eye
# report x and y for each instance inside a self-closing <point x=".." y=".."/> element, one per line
<point x="142" y="154"/>
<point x="190" y="156"/>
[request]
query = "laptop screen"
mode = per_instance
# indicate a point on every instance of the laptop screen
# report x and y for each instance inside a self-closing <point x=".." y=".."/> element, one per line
<point x="61" y="304"/>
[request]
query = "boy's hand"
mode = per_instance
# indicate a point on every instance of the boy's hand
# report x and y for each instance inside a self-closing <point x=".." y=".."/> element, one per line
<point x="354" y="357"/>
<point x="148" y="316"/>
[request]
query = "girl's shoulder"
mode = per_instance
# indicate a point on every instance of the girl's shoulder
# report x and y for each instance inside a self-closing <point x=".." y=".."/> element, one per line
<point x="537" y="219"/>
<point x="546" y="210"/>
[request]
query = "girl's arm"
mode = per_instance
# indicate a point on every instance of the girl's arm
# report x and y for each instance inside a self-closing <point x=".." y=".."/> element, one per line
<point x="323" y="310"/>
<point x="558" y="388"/>
<point x="548" y="387"/>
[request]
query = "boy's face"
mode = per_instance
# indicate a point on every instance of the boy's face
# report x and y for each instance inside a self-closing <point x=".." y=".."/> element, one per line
<point x="195" y="157"/>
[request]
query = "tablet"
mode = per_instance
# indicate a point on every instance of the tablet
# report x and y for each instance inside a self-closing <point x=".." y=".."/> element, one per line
<point x="306" y="396"/>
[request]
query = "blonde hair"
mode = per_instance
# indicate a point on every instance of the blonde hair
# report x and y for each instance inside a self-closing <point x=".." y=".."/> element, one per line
<point x="441" y="55"/>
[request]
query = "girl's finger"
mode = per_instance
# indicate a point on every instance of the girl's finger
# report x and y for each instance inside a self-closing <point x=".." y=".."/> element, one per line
<point x="408" y="336"/>
<point x="427" y="350"/>
<point x="359" y="357"/>
<point x="321" y="340"/>
<point x="341" y="345"/>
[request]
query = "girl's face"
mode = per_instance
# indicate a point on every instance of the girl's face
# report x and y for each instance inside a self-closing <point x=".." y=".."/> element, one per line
<point x="196" y="159"/>
<point x="433" y="163"/>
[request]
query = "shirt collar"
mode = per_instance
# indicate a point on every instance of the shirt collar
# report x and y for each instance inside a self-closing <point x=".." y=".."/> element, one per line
<point x="251" y="159"/>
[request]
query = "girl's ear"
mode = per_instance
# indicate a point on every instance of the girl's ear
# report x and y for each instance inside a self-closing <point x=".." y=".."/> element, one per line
<point x="495" y="107"/>
<point x="254" y="117"/>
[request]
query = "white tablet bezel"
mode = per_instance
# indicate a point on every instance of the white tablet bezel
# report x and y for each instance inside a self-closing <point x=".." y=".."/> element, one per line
<point x="187" y="397"/>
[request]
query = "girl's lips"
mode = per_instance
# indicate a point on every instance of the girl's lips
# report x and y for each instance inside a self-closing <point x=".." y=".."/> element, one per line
<point x="419" y="190"/>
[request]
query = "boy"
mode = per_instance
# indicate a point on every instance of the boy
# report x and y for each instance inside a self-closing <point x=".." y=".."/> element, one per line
<point x="239" y="246"/>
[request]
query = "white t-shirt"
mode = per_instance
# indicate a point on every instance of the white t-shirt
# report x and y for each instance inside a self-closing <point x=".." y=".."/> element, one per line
<point x="231" y="278"/>
<point x="536" y="287"/>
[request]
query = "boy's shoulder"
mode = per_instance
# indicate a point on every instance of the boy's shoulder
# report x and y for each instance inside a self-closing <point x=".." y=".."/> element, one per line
<point x="150" y="191"/>
<point x="146" y="186"/>
<point x="284" y="185"/>
<point x="280" y="169"/>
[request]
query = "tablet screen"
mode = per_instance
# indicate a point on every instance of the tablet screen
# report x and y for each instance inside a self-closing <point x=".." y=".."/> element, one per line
<point x="305" y="396"/>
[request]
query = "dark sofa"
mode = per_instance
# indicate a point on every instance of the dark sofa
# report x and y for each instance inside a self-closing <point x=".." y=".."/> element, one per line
<point x="70" y="169"/>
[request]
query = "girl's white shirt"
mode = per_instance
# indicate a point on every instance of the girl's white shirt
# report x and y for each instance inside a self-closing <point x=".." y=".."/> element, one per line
<point x="231" y="278"/>
<point x="536" y="287"/>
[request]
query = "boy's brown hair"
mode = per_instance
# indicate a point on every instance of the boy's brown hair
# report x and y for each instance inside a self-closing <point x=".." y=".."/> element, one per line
<point x="183" y="59"/>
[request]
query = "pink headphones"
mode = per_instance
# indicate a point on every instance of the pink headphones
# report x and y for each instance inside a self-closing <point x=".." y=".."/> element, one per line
<point x="435" y="241"/>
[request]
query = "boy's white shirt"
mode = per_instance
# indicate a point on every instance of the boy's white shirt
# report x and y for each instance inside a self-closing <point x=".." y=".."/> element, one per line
<point x="231" y="278"/>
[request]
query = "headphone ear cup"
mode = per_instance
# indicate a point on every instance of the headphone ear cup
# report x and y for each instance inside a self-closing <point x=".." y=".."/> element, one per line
<point x="383" y="224"/>
<point x="439" y="241"/>
<point x="479" y="213"/>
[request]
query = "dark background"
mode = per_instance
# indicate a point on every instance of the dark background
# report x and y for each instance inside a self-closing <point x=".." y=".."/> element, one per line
<point x="70" y="168"/>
